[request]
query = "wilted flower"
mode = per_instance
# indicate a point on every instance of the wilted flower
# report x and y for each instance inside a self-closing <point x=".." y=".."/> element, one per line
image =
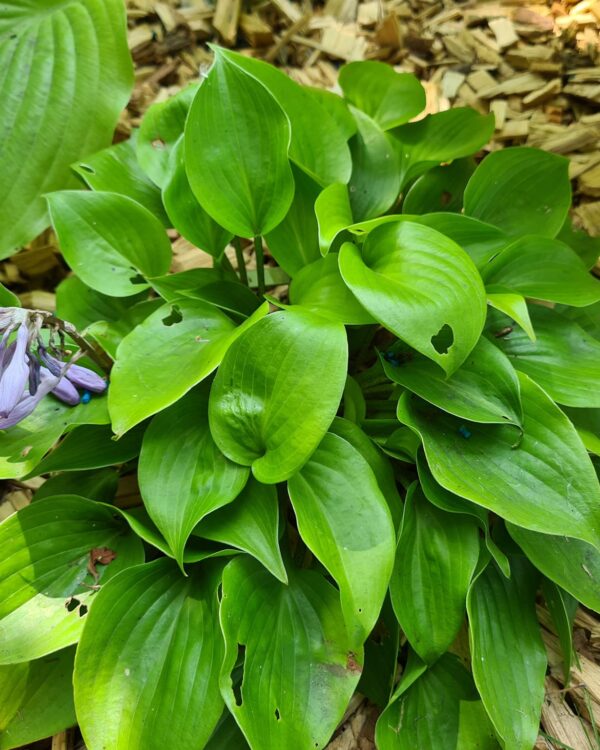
<point x="31" y="368"/>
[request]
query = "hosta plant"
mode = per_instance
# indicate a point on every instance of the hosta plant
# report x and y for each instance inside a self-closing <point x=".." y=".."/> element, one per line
<point x="362" y="458"/>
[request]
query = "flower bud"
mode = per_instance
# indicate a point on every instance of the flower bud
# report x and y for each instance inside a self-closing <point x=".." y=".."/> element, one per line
<point x="15" y="375"/>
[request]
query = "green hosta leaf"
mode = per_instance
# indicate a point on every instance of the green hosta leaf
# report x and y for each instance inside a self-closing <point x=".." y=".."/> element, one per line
<point x="294" y="644"/>
<point x="586" y="317"/>
<point x="562" y="608"/>
<point x="187" y="215"/>
<point x="148" y="375"/>
<point x="66" y="76"/>
<point x="484" y="389"/>
<point x="537" y="183"/>
<point x="91" y="447"/>
<point x="405" y="262"/>
<point x="317" y="144"/>
<point x="7" y="298"/>
<point x="544" y="269"/>
<point x="480" y="241"/>
<point x="586" y="247"/>
<point x="375" y="180"/>
<point x="389" y="98"/>
<point x="337" y="108"/>
<point x="587" y="422"/>
<point x="237" y="167"/>
<point x="451" y="503"/>
<point x="294" y="243"/>
<point x="227" y="735"/>
<point x="513" y="305"/>
<point x="97" y="485"/>
<point x="381" y="658"/>
<point x="564" y="359"/>
<point x="435" y="561"/>
<point x="543" y="481"/>
<point x="45" y="553"/>
<point x="440" y="189"/>
<point x="440" y="137"/>
<point x="320" y="288"/>
<point x="116" y="170"/>
<point x="110" y="333"/>
<point x="508" y="656"/>
<point x="344" y="520"/>
<point x="24" y="445"/>
<point x="161" y="128"/>
<point x="250" y="523"/>
<point x="36" y="699"/>
<point x="334" y="214"/>
<point x="183" y="476"/>
<point x="109" y="240"/>
<point x="277" y="392"/>
<point x="425" y="711"/>
<point x="571" y="563"/>
<point x="147" y="666"/>
<point x="82" y="306"/>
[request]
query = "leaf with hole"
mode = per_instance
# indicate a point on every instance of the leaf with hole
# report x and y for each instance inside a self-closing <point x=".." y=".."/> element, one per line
<point x="147" y="666"/>
<point x="270" y="404"/>
<point x="46" y="579"/>
<point x="420" y="286"/>
<point x="183" y="476"/>
<point x="344" y="520"/>
<point x="148" y="375"/>
<point x="111" y="242"/>
<point x="301" y="642"/>
<point x="542" y="480"/>
<point x="238" y="168"/>
<point x="66" y="76"/>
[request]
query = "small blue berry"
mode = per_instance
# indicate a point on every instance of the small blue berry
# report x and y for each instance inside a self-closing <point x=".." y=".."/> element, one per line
<point x="464" y="432"/>
<point x="86" y="397"/>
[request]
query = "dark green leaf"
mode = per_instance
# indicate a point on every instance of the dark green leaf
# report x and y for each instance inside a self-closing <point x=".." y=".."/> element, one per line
<point x="543" y="480"/>
<point x="45" y="578"/>
<point x="294" y="643"/>
<point x="403" y="262"/>
<point x="250" y="523"/>
<point x="82" y="306"/>
<point x="389" y="98"/>
<point x="586" y="247"/>
<point x="435" y="561"/>
<point x="440" y="189"/>
<point x="147" y="666"/>
<point x="562" y="608"/>
<point x="36" y="699"/>
<point x="237" y="167"/>
<point x="183" y="476"/>
<point x="109" y="240"/>
<point x="270" y="403"/>
<point x="97" y="485"/>
<point x="508" y="655"/>
<point x="484" y="389"/>
<point x="66" y="76"/>
<point x="344" y="520"/>
<point x="537" y="183"/>
<point x="148" y="375"/>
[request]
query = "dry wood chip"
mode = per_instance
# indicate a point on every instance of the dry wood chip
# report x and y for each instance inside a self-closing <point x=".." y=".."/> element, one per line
<point x="541" y="95"/>
<point x="225" y="20"/>
<point x="504" y="31"/>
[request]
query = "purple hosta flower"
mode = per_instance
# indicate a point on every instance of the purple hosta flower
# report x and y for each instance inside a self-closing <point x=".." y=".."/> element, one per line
<point x="28" y="403"/>
<point x="82" y="377"/>
<point x="15" y="374"/>
<point x="65" y="390"/>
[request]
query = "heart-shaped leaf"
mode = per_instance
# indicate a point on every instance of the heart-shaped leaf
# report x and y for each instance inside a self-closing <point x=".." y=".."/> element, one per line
<point x="36" y="699"/>
<point x="334" y="214"/>
<point x="250" y="523"/>
<point x="521" y="190"/>
<point x="544" y="269"/>
<point x="389" y="98"/>
<point x="66" y="76"/>
<point x="147" y="666"/>
<point x="543" y="480"/>
<point x="148" y="375"/>
<point x="237" y="167"/>
<point x="403" y="262"/>
<point x="270" y="404"/>
<point x="507" y="652"/>
<point x="435" y="561"/>
<point x="563" y="359"/>
<point x="484" y="389"/>
<point x="48" y="571"/>
<point x="183" y="476"/>
<point x="440" y="189"/>
<point x="344" y="520"/>
<point x="301" y="642"/>
<point x="109" y="240"/>
<point x="573" y="564"/>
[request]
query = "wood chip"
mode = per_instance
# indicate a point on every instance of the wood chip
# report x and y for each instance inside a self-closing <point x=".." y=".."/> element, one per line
<point x="498" y="108"/>
<point x="541" y="95"/>
<point x="521" y="84"/>
<point x="504" y="31"/>
<point x="225" y="20"/>
<point x="451" y="82"/>
<point x="256" y="31"/>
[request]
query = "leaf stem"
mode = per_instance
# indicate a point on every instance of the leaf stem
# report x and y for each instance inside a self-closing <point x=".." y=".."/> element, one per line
<point x="241" y="262"/>
<point x="260" y="264"/>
